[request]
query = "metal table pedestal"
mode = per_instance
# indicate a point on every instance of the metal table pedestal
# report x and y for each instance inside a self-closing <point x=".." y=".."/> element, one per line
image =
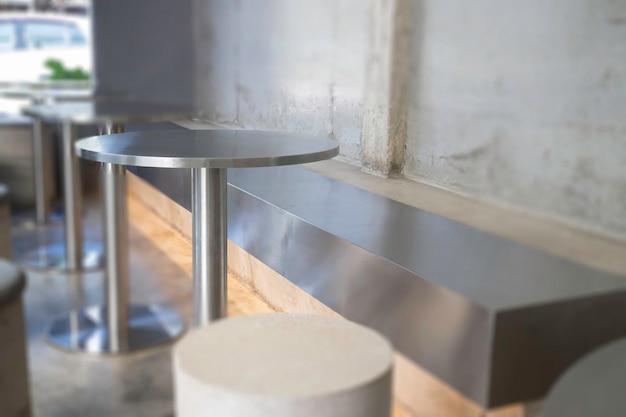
<point x="40" y="94"/>
<point x="117" y="327"/>
<point x="74" y="255"/>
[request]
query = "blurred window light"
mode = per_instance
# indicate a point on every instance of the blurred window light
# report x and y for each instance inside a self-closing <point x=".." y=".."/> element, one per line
<point x="42" y="34"/>
<point x="7" y="36"/>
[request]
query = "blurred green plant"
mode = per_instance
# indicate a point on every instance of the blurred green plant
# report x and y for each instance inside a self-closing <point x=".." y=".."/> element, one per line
<point x="60" y="72"/>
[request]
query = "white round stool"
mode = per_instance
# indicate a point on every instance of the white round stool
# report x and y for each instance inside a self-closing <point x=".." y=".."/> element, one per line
<point x="591" y="387"/>
<point x="14" y="384"/>
<point x="283" y="365"/>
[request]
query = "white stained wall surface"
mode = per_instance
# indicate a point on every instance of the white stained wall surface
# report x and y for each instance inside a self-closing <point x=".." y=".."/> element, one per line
<point x="284" y="65"/>
<point x="523" y="102"/>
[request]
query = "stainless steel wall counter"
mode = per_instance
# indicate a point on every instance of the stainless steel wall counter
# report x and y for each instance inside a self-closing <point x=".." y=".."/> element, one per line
<point x="496" y="320"/>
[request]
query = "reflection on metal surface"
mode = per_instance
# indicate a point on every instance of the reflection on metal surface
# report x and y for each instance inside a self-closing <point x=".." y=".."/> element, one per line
<point x="496" y="320"/>
<point x="50" y="256"/>
<point x="206" y="149"/>
<point x="86" y="330"/>
<point x="108" y="111"/>
<point x="28" y="219"/>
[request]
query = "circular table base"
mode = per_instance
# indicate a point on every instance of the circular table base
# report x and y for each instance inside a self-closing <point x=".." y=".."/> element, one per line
<point x="28" y="220"/>
<point x="85" y="330"/>
<point x="52" y="257"/>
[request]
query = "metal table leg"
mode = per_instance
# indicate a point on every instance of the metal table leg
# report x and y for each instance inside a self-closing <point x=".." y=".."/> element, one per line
<point x="72" y="256"/>
<point x="41" y="197"/>
<point x="73" y="200"/>
<point x="209" y="244"/>
<point x="41" y="178"/>
<point x="116" y="327"/>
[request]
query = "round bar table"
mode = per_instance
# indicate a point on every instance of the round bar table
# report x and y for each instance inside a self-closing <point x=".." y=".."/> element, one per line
<point x="41" y="94"/>
<point x="208" y="153"/>
<point x="111" y="114"/>
<point x="97" y="329"/>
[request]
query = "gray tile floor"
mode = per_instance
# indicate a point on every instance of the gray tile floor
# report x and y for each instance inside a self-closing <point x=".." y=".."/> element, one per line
<point x="70" y="385"/>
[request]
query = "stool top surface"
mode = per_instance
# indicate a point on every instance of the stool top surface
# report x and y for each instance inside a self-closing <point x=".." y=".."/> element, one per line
<point x="206" y="149"/>
<point x="284" y="355"/>
<point x="12" y="282"/>
<point x="108" y="111"/>
<point x="593" y="386"/>
<point x="4" y="193"/>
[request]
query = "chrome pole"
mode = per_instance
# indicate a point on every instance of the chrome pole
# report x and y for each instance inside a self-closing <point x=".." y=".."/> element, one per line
<point x="116" y="246"/>
<point x="209" y="244"/>
<point x="39" y="163"/>
<point x="72" y="199"/>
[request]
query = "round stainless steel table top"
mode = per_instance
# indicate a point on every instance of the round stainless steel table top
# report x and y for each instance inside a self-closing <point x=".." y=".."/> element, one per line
<point x="206" y="149"/>
<point x="117" y="111"/>
<point x="592" y="387"/>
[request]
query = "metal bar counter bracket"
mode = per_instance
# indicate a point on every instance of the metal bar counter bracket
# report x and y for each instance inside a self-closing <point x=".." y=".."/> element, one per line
<point x="208" y="154"/>
<point x="116" y="327"/>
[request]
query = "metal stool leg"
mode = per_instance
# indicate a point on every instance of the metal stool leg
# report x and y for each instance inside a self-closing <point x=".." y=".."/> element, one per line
<point x="209" y="207"/>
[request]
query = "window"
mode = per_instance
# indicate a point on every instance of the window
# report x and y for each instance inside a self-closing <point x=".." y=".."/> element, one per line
<point x="42" y="34"/>
<point x="7" y="36"/>
<point x="76" y="37"/>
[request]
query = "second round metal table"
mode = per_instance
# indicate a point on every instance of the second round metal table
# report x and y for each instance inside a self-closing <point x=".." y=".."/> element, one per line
<point x="208" y="153"/>
<point x="41" y="94"/>
<point x="111" y="115"/>
<point x="95" y="329"/>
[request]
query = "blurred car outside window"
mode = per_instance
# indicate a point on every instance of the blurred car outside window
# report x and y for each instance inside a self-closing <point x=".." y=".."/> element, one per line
<point x="48" y="34"/>
<point x="7" y="36"/>
<point x="29" y="41"/>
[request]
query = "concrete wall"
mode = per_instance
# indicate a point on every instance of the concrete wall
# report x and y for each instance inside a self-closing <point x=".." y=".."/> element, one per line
<point x="520" y="102"/>
<point x="284" y="65"/>
<point x="523" y="102"/>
